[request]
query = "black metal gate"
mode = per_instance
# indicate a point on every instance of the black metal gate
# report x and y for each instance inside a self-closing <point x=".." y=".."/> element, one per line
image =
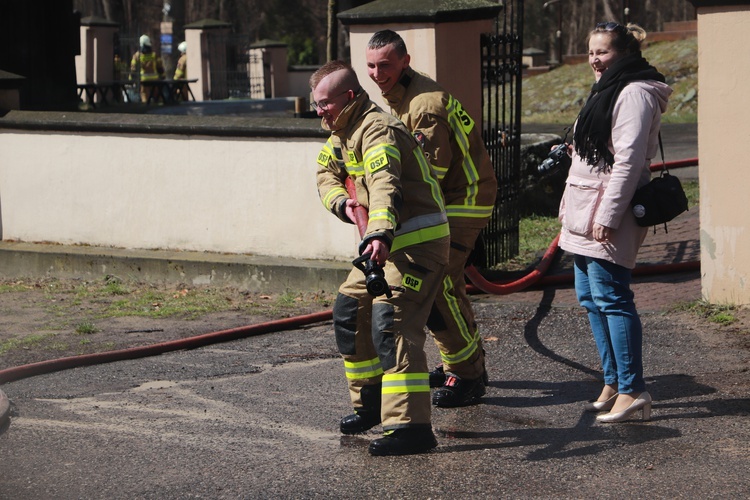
<point x="501" y="105"/>
<point x="236" y="71"/>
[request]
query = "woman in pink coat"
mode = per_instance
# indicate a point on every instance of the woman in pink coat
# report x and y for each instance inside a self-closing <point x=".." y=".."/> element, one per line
<point x="615" y="138"/>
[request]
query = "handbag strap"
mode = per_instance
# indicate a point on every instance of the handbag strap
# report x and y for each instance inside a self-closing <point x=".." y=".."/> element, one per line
<point x="663" y="171"/>
<point x="663" y="162"/>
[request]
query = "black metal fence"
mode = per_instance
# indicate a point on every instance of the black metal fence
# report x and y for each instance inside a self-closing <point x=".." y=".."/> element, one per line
<point x="243" y="74"/>
<point x="501" y="105"/>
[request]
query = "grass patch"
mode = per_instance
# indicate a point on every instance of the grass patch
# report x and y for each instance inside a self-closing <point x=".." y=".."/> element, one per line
<point x="558" y="96"/>
<point x="691" y="191"/>
<point x="14" y="287"/>
<point x="86" y="328"/>
<point x="160" y="304"/>
<point x="24" y="342"/>
<point x="722" y="314"/>
<point x="535" y="234"/>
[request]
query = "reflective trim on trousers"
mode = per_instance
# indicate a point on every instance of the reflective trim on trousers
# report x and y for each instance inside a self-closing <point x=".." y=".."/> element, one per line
<point x="399" y="383"/>
<point x="363" y="369"/>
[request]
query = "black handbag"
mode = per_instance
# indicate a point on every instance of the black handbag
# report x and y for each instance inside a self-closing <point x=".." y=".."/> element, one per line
<point x="661" y="200"/>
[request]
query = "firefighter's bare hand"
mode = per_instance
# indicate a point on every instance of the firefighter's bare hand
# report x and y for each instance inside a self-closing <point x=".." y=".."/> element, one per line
<point x="379" y="250"/>
<point x="349" y="209"/>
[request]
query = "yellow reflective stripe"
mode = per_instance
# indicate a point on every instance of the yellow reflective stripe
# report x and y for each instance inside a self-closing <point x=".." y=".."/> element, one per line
<point x="363" y="369"/>
<point x="332" y="195"/>
<point x="382" y="214"/>
<point x="458" y="120"/>
<point x="420" y="236"/>
<point x="399" y="383"/>
<point x="429" y="177"/>
<point x="466" y="122"/>
<point x="420" y="221"/>
<point x="440" y="172"/>
<point x="381" y="149"/>
<point x="452" y="303"/>
<point x="476" y="211"/>
<point x="462" y="355"/>
<point x="355" y="169"/>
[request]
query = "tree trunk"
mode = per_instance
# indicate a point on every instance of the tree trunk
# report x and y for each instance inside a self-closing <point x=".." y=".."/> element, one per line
<point x="114" y="11"/>
<point x="333" y="31"/>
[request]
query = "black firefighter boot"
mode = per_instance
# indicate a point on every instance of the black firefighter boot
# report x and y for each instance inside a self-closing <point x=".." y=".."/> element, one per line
<point x="405" y="441"/>
<point x="366" y="417"/>
<point x="458" y="392"/>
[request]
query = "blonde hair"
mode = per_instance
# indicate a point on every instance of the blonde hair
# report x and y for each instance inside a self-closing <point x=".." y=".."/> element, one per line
<point x="625" y="39"/>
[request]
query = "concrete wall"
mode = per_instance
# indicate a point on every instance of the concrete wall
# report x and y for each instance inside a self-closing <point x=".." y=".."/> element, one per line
<point x="723" y="136"/>
<point x="167" y="182"/>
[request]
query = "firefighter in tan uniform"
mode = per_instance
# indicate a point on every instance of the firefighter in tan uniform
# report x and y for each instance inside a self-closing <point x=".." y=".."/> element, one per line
<point x="149" y="67"/>
<point x="455" y="149"/>
<point x="381" y="338"/>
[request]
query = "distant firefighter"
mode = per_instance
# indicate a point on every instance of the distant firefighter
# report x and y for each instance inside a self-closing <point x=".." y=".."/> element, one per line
<point x="151" y="68"/>
<point x="180" y="73"/>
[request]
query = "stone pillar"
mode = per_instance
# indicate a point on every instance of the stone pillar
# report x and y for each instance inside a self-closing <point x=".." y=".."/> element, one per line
<point x="274" y="68"/>
<point x="207" y="56"/>
<point x="95" y="63"/>
<point x="723" y="108"/>
<point x="443" y="42"/>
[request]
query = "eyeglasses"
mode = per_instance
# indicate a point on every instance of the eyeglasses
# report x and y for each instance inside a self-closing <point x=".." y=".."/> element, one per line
<point x="323" y="105"/>
<point x="611" y="26"/>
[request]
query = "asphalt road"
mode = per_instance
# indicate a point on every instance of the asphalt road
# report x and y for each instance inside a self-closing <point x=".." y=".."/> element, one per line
<point x="258" y="418"/>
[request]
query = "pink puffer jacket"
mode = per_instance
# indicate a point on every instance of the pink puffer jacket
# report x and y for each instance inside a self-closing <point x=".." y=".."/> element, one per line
<point x="592" y="196"/>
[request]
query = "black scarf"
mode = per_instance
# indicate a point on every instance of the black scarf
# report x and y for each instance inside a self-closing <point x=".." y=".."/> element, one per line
<point x="594" y="127"/>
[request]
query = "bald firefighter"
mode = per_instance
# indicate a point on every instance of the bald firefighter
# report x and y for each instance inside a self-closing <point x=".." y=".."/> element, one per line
<point x="380" y="334"/>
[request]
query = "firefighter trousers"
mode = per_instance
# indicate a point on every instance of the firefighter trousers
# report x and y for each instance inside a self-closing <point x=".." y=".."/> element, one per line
<point x="452" y="321"/>
<point x="382" y="339"/>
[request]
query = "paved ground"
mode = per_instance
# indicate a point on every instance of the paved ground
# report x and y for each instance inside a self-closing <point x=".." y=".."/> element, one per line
<point x="257" y="417"/>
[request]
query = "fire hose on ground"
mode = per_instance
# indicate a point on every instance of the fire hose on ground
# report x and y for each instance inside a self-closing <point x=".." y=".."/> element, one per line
<point x="535" y="277"/>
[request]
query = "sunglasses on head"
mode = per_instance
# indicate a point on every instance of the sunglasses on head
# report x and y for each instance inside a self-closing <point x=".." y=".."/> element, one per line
<point x="611" y="26"/>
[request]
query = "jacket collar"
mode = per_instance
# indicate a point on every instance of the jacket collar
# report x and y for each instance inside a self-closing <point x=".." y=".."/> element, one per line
<point x="352" y="113"/>
<point x="396" y="95"/>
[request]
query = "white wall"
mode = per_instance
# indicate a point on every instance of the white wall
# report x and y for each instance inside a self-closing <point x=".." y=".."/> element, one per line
<point x="178" y="192"/>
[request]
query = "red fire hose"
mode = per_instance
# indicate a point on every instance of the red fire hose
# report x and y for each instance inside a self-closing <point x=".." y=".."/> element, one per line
<point x="360" y="214"/>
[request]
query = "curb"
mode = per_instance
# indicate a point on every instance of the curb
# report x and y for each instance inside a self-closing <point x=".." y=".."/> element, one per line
<point x="4" y="409"/>
<point x="253" y="273"/>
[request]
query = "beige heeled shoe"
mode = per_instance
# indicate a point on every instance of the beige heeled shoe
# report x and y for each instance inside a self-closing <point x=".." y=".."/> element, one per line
<point x="642" y="402"/>
<point x="601" y="405"/>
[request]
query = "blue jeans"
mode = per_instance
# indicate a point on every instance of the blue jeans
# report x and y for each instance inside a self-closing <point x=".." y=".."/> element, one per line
<point x="603" y="289"/>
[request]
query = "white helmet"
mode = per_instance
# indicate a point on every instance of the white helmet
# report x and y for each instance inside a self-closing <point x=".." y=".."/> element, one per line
<point x="182" y="47"/>
<point x="145" y="41"/>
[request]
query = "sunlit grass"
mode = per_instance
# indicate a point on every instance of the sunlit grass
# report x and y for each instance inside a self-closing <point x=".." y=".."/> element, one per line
<point x="557" y="96"/>
<point x="722" y="314"/>
<point x="28" y="341"/>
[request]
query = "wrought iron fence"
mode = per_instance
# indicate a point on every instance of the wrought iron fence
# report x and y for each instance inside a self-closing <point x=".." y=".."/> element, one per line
<point x="501" y="105"/>
<point x="242" y="76"/>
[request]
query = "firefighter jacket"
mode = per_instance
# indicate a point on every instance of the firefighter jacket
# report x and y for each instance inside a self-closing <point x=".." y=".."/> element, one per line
<point x="180" y="73"/>
<point x="453" y="144"/>
<point x="152" y="67"/>
<point x="392" y="178"/>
